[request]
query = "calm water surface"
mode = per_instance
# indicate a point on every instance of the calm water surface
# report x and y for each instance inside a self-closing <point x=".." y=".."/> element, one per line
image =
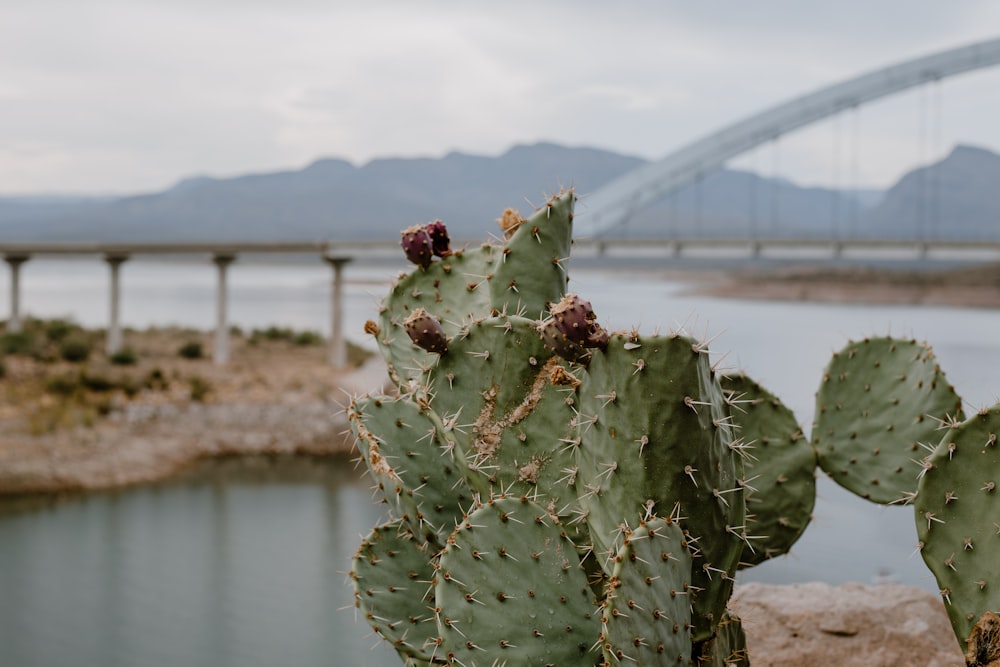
<point x="242" y="564"/>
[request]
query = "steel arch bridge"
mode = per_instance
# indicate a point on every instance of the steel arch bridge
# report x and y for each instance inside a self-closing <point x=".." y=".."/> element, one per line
<point x="614" y="203"/>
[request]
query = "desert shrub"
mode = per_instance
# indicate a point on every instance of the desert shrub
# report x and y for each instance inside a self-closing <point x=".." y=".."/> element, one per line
<point x="74" y="350"/>
<point x="305" y="338"/>
<point x="191" y="350"/>
<point x="57" y="330"/>
<point x="124" y="357"/>
<point x="97" y="383"/>
<point x="62" y="385"/>
<point x="130" y="389"/>
<point x="156" y="380"/>
<point x="200" y="388"/>
<point x="16" y="343"/>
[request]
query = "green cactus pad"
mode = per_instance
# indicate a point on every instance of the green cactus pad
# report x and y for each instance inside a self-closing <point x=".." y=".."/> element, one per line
<point x="532" y="272"/>
<point x="510" y="590"/>
<point x="513" y="422"/>
<point x="392" y="578"/>
<point x="389" y="484"/>
<point x="880" y="399"/>
<point x="422" y="455"/>
<point x="656" y="438"/>
<point x="729" y="646"/>
<point x="780" y="470"/>
<point x="646" y="616"/>
<point x="452" y="290"/>
<point x="957" y="511"/>
<point x="521" y="276"/>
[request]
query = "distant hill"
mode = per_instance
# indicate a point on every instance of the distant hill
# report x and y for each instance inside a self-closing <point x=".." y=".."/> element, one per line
<point x="329" y="199"/>
<point x="333" y="199"/>
<point x="957" y="198"/>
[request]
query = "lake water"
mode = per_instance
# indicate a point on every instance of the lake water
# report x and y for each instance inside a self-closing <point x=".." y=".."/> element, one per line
<point x="242" y="564"/>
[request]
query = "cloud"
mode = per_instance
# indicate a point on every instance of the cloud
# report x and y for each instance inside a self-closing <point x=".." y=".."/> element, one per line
<point x="136" y="95"/>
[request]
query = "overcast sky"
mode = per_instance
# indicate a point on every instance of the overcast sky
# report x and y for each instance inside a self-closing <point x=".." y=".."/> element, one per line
<point x="120" y="96"/>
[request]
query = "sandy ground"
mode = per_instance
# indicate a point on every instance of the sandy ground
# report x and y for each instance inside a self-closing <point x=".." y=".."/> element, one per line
<point x="275" y="398"/>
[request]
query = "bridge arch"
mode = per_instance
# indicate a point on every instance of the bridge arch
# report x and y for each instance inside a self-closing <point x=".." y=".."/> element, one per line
<point x="614" y="203"/>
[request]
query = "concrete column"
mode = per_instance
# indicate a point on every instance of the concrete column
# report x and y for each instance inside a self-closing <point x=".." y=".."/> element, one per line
<point x="338" y="346"/>
<point x="114" y="341"/>
<point x="221" y="353"/>
<point x="14" y="323"/>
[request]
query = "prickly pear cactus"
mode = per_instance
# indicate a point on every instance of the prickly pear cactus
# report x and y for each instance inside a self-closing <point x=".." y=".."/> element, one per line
<point x="879" y="401"/>
<point x="780" y="470"/>
<point x="957" y="511"/>
<point x="655" y="437"/>
<point x="646" y="613"/>
<point x="392" y="577"/>
<point x="510" y="590"/>
<point x="562" y="495"/>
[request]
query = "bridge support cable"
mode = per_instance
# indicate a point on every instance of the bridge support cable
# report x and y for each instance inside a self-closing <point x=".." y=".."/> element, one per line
<point x="775" y="190"/>
<point x="923" y="165"/>
<point x="835" y="194"/>
<point x="855" y="180"/>
<point x="604" y="208"/>
<point x="937" y="149"/>
<point x="753" y="181"/>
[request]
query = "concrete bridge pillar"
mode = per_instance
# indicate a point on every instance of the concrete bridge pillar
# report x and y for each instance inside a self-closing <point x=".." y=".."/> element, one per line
<point x="114" y="341"/>
<point x="14" y="323"/>
<point x="338" y="346"/>
<point x="220" y="354"/>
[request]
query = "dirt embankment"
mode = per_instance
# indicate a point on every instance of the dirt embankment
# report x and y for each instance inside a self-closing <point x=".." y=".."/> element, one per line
<point x="975" y="286"/>
<point x="97" y="425"/>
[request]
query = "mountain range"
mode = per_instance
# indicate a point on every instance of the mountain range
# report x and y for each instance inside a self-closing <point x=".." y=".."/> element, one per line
<point x="331" y="199"/>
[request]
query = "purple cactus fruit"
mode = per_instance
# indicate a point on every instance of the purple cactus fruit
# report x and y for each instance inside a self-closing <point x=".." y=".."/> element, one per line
<point x="597" y="337"/>
<point x="574" y="317"/>
<point x="556" y="341"/>
<point x="439" y="238"/>
<point x="417" y="245"/>
<point x="425" y="331"/>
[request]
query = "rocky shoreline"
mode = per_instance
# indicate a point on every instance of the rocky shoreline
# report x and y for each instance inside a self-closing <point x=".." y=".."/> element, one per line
<point x="976" y="286"/>
<point x="144" y="441"/>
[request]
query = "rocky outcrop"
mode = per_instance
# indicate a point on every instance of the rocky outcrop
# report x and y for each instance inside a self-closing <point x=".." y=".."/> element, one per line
<point x="850" y="625"/>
